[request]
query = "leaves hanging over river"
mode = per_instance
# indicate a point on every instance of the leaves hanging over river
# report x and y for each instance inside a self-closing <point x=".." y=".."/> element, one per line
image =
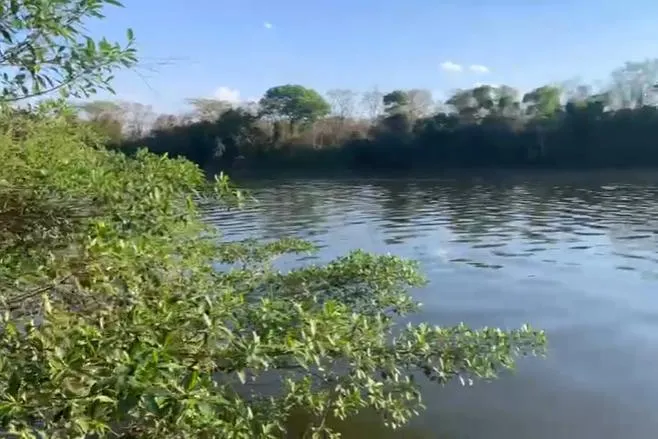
<point x="115" y="320"/>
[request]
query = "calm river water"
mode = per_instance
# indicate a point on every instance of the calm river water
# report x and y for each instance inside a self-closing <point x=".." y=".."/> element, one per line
<point x="574" y="254"/>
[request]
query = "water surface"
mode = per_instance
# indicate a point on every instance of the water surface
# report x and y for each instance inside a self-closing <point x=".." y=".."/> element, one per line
<point x="574" y="254"/>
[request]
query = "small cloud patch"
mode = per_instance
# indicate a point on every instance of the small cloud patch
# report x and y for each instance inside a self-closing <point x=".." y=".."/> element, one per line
<point x="227" y="94"/>
<point x="450" y="66"/>
<point x="478" y="68"/>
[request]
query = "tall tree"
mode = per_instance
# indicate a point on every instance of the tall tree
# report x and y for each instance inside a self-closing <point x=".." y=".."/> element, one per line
<point x="93" y="110"/>
<point x="342" y="102"/>
<point x="373" y="103"/>
<point x="165" y="122"/>
<point x="294" y="103"/>
<point x="250" y="106"/>
<point x="543" y="102"/>
<point x="576" y="92"/>
<point x="633" y="85"/>
<point x="208" y="109"/>
<point x="420" y="102"/>
<point x="508" y="101"/>
<point x="412" y="103"/>
<point x="485" y="98"/>
<point x="44" y="48"/>
<point x="464" y="104"/>
<point x="105" y="117"/>
<point x="138" y="119"/>
<point x="396" y="102"/>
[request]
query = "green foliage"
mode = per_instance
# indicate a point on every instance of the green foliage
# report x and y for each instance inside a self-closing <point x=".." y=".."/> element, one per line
<point x="117" y="321"/>
<point x="106" y="119"/>
<point x="395" y="101"/>
<point x="220" y="142"/>
<point x="43" y="48"/>
<point x="543" y="102"/>
<point x="294" y="103"/>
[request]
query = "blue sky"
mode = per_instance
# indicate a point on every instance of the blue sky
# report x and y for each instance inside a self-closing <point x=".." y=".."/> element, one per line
<point x="239" y="48"/>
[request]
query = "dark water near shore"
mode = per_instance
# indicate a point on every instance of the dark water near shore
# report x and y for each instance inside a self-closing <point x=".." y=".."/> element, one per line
<point x="575" y="254"/>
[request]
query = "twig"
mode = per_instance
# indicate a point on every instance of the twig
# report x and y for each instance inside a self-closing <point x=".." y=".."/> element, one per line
<point x="37" y="291"/>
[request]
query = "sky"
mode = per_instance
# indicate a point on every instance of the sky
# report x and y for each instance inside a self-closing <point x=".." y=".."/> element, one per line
<point x="237" y="49"/>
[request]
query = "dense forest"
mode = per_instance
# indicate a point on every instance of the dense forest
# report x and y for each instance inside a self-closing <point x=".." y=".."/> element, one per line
<point x="294" y="127"/>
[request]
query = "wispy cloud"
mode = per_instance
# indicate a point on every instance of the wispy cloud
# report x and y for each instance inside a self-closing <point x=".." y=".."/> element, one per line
<point x="478" y="68"/>
<point x="450" y="66"/>
<point x="268" y="25"/>
<point x="227" y="94"/>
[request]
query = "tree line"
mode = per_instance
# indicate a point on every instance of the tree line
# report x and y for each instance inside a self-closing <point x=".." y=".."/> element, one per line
<point x="295" y="127"/>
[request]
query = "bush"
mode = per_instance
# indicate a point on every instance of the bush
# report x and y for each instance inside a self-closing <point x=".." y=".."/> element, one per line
<point x="116" y="320"/>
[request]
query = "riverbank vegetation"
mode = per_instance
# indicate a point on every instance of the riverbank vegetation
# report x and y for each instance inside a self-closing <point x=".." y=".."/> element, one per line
<point x="117" y="319"/>
<point x="294" y="127"/>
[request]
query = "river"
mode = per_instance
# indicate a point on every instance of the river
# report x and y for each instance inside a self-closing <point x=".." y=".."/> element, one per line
<point x="575" y="254"/>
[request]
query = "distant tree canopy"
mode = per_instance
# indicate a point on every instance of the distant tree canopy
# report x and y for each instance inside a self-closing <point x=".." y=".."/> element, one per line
<point x="294" y="103"/>
<point x="208" y="109"/>
<point x="555" y="125"/>
<point x="543" y="102"/>
<point x="395" y="101"/>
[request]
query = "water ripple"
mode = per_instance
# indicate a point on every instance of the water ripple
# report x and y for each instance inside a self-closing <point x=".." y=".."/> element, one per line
<point x="577" y="255"/>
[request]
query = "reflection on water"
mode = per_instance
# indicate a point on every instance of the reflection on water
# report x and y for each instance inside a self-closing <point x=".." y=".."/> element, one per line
<point x="365" y="425"/>
<point x="574" y="254"/>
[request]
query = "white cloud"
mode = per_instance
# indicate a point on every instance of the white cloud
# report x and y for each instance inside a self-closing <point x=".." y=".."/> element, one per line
<point x="227" y="94"/>
<point x="268" y="25"/>
<point x="479" y="68"/>
<point x="450" y="66"/>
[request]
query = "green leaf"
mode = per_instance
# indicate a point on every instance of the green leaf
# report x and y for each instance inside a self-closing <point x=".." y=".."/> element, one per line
<point x="192" y="380"/>
<point x="82" y="425"/>
<point x="104" y="398"/>
<point x="14" y="384"/>
<point x="127" y="403"/>
<point x="91" y="45"/>
<point x="151" y="404"/>
<point x="59" y="25"/>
